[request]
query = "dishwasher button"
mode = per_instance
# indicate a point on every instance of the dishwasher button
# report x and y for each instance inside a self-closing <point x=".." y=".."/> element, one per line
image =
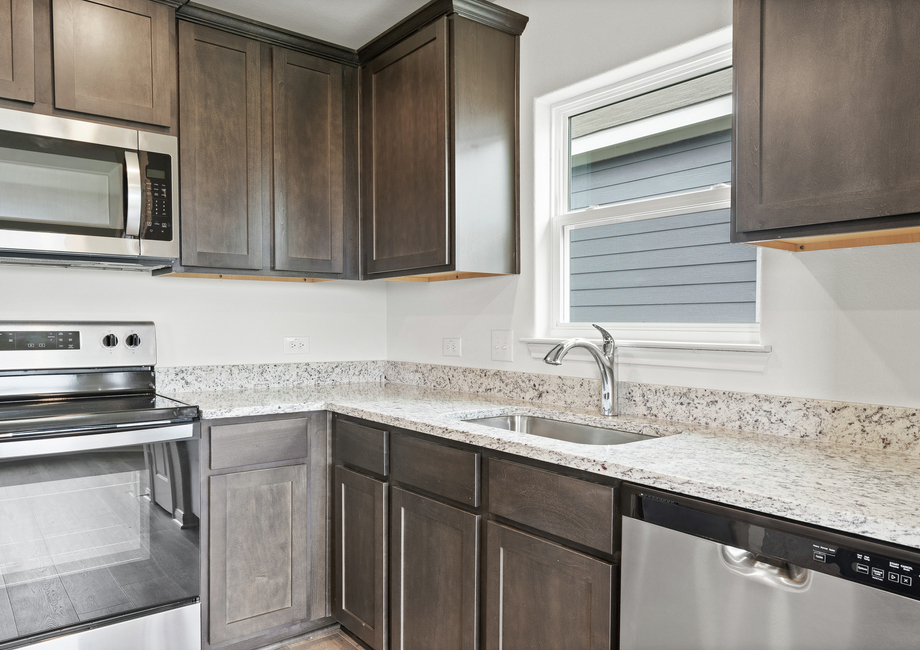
<point x="878" y="574"/>
<point x="907" y="581"/>
<point x="862" y="568"/>
<point x="893" y="577"/>
<point x="820" y="557"/>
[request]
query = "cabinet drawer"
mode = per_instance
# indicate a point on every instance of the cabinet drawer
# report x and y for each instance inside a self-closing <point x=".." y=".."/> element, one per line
<point x="445" y="471"/>
<point x="234" y="445"/>
<point x="569" y="508"/>
<point x="362" y="447"/>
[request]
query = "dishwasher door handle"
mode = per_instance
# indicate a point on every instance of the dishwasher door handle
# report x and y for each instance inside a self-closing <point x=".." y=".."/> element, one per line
<point x="788" y="577"/>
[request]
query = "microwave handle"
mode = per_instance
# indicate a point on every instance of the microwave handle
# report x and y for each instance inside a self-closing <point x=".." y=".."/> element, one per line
<point x="133" y="214"/>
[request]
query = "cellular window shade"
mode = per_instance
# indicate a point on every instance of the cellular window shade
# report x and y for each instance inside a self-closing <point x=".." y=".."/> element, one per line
<point x="678" y="269"/>
<point x="694" y="91"/>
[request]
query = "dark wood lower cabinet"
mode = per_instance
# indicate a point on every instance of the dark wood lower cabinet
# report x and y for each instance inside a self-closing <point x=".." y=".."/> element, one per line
<point x="543" y="596"/>
<point x="258" y="551"/>
<point x="434" y="559"/>
<point x="359" y="597"/>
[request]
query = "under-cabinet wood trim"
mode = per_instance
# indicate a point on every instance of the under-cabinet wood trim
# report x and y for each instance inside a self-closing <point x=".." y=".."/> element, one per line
<point x="845" y="240"/>
<point x="260" y="278"/>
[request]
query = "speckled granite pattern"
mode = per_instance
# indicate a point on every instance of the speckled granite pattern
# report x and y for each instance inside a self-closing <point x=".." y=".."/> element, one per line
<point x="194" y="378"/>
<point x="862" y="425"/>
<point x="869" y="492"/>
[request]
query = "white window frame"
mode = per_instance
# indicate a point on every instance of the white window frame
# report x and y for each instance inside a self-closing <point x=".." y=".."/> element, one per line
<point x="696" y="58"/>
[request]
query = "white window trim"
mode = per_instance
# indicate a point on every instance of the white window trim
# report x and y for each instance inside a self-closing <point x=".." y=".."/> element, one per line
<point x="642" y="343"/>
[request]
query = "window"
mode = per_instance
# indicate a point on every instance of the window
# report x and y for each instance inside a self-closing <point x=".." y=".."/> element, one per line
<point x="641" y="208"/>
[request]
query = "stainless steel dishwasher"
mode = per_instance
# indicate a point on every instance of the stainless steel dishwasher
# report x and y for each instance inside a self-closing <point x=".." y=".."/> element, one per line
<point x="696" y="575"/>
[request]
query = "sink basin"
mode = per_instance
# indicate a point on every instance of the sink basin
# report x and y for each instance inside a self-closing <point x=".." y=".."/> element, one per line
<point x="581" y="433"/>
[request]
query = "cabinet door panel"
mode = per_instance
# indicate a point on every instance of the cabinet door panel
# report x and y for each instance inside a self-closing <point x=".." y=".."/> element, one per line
<point x="359" y="601"/>
<point x="258" y="551"/>
<point x="541" y="595"/>
<point x="220" y="147"/>
<point x="434" y="557"/>
<point x="406" y="209"/>
<point x="17" y="50"/>
<point x="111" y="57"/>
<point x="825" y="120"/>
<point x="309" y="188"/>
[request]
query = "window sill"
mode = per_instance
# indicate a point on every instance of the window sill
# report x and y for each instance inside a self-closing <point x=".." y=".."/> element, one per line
<point x="742" y="357"/>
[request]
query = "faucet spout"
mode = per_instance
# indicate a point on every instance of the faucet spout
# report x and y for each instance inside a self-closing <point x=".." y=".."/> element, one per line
<point x="605" y="358"/>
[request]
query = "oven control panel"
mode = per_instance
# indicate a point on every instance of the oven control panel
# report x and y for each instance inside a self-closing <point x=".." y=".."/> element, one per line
<point x="38" y="341"/>
<point x="43" y="345"/>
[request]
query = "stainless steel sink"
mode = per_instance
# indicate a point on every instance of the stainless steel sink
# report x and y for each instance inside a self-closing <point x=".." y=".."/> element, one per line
<point x="581" y="433"/>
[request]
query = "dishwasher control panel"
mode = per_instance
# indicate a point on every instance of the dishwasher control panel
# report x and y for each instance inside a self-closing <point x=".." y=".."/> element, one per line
<point x="878" y="571"/>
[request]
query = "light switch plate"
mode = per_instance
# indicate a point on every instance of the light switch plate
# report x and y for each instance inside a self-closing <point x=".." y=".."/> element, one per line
<point x="451" y="347"/>
<point x="502" y="345"/>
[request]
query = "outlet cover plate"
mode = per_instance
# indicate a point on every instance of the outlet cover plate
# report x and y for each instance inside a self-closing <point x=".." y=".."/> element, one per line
<point x="297" y="345"/>
<point x="451" y="347"/>
<point x="502" y="345"/>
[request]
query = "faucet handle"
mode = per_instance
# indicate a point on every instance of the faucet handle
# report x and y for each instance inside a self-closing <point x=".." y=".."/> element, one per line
<point x="609" y="344"/>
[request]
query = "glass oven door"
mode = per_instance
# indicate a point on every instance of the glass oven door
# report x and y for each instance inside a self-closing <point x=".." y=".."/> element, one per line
<point x="85" y="536"/>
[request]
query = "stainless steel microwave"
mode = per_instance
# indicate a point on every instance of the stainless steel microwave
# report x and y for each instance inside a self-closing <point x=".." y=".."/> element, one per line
<point x="76" y="193"/>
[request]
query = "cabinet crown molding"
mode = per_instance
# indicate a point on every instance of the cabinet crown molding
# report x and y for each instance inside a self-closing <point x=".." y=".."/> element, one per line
<point x="195" y="13"/>
<point x="481" y="11"/>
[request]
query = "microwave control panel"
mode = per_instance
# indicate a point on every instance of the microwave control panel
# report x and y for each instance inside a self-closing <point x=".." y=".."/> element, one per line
<point x="156" y="206"/>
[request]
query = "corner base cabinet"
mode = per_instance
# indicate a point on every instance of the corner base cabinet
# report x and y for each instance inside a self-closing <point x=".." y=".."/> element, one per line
<point x="265" y="517"/>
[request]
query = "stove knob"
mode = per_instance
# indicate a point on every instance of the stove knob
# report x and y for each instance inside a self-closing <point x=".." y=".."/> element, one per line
<point x="109" y="341"/>
<point x="133" y="340"/>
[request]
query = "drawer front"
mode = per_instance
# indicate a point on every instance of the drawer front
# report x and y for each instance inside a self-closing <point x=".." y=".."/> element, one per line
<point x="362" y="447"/>
<point x="235" y="445"/>
<point x="445" y="471"/>
<point x="569" y="508"/>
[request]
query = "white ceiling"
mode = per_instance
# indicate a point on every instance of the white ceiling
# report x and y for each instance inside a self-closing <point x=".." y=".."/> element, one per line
<point x="351" y="23"/>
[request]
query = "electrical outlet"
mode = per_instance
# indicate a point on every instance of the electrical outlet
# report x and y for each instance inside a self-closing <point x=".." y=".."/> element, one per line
<point x="451" y="347"/>
<point x="296" y="345"/>
<point x="502" y="345"/>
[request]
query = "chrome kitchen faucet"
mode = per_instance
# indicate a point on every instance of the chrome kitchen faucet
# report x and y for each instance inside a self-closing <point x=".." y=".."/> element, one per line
<point x="605" y="362"/>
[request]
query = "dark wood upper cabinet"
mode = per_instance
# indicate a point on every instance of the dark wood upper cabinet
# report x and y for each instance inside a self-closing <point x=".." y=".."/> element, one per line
<point x="112" y="58"/>
<point x="826" y="123"/>
<point x="17" y="50"/>
<point x="405" y="154"/>
<point x="439" y="165"/>
<point x="220" y="149"/>
<point x="309" y="152"/>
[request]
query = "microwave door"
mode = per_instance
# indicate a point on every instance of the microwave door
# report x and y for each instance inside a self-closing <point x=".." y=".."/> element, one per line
<point x="69" y="197"/>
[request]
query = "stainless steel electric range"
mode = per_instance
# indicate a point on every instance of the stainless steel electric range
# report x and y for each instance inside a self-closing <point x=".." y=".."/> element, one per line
<point x="99" y="501"/>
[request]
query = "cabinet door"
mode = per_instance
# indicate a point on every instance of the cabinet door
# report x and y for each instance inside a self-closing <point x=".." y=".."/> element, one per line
<point x="541" y="595"/>
<point x="309" y="219"/>
<point x="359" y="599"/>
<point x="405" y="207"/>
<point x="111" y="58"/>
<point x="258" y="553"/>
<point x="17" y="51"/>
<point x="435" y="565"/>
<point x="220" y="140"/>
<point x="826" y="121"/>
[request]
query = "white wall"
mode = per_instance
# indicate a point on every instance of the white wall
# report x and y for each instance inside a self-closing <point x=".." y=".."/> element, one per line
<point x="843" y="324"/>
<point x="210" y="322"/>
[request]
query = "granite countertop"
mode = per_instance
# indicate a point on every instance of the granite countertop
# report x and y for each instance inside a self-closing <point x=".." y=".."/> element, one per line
<point x="863" y="491"/>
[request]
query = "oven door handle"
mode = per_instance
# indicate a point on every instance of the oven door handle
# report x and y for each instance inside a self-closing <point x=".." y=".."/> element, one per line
<point x="135" y="195"/>
<point x="88" y="442"/>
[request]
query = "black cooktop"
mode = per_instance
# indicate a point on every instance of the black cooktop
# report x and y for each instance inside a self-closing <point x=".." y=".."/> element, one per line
<point x="49" y="416"/>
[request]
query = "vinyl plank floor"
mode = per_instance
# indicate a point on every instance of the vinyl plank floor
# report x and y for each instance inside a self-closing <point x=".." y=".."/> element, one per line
<point x="334" y="641"/>
<point x="92" y="590"/>
<point x="40" y="606"/>
<point x="7" y="622"/>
